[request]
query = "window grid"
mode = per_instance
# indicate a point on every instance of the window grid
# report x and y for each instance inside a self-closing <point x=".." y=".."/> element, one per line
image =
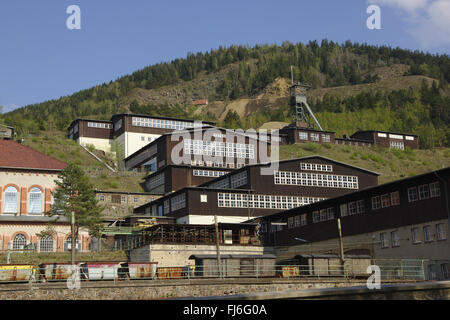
<point x="316" y="180"/>
<point x="99" y="125"/>
<point x="239" y="179"/>
<point x="10" y="200"/>
<point x="19" y="242"/>
<point x="209" y="173"/>
<point x="412" y="194"/>
<point x="255" y="201"/>
<point x="316" y="167"/>
<point x="178" y="202"/>
<point x="219" y="149"/>
<point x="163" y="123"/>
<point x="46" y="244"/>
<point x="156" y="181"/>
<point x="435" y="190"/>
<point x="440" y="232"/>
<point x="35" y="200"/>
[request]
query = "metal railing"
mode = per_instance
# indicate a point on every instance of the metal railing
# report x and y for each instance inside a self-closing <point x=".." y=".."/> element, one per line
<point x="391" y="270"/>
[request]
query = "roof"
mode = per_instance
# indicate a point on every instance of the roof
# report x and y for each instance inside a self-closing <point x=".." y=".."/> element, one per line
<point x="15" y="155"/>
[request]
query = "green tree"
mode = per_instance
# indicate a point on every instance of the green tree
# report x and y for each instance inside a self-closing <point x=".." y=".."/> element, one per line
<point x="75" y="193"/>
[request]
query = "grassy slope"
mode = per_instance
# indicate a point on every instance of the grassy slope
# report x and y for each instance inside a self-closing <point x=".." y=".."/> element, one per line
<point x="56" y="144"/>
<point x="392" y="164"/>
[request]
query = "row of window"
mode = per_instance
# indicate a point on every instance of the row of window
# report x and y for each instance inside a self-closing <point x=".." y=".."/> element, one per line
<point x="46" y="243"/>
<point x="428" y="236"/>
<point x="386" y="200"/>
<point x="316" y="167"/>
<point x="352" y="143"/>
<point x="423" y="192"/>
<point x="397" y="145"/>
<point x="219" y="149"/>
<point x="118" y="199"/>
<point x="208" y="173"/>
<point x="11" y="201"/>
<point x="316" y="180"/>
<point x="236" y="200"/>
<point x="395" y="136"/>
<point x="100" y="125"/>
<point x="314" y="136"/>
<point x="216" y="164"/>
<point x="164" y="124"/>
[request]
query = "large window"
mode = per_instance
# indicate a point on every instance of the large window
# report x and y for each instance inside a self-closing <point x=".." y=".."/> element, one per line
<point x="440" y="232"/>
<point x="394" y="239"/>
<point x="239" y="179"/>
<point x="415" y="235"/>
<point x="376" y="203"/>
<point x="303" y="135"/>
<point x="412" y="194"/>
<point x="219" y="149"/>
<point x="10" y="200"/>
<point x="35" y="200"/>
<point x="259" y="201"/>
<point x="68" y="244"/>
<point x="435" y="190"/>
<point x="444" y="271"/>
<point x="315" y="179"/>
<point x="427" y="237"/>
<point x="316" y="167"/>
<point x="424" y="192"/>
<point x="19" y="242"/>
<point x="178" y="202"/>
<point x="383" y="240"/>
<point x="46" y="244"/>
<point x="395" y="198"/>
<point x="163" y="123"/>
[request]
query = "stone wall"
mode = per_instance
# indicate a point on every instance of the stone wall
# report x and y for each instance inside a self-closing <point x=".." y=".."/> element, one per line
<point x="224" y="289"/>
<point x="176" y="255"/>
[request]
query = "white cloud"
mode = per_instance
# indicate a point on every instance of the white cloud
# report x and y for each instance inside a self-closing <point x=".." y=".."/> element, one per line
<point x="408" y="5"/>
<point x="428" y="21"/>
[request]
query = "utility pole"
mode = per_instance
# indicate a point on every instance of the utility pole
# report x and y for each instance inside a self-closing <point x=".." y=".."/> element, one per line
<point x="219" y="265"/>
<point x="341" y="243"/>
<point x="72" y="222"/>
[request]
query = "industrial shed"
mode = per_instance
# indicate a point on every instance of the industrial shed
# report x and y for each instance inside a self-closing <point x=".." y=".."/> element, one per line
<point x="235" y="265"/>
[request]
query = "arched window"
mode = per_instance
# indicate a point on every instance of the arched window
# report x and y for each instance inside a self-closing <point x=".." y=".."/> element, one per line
<point x="46" y="243"/>
<point x="68" y="244"/>
<point x="19" y="242"/>
<point x="10" y="200"/>
<point x="35" y="200"/>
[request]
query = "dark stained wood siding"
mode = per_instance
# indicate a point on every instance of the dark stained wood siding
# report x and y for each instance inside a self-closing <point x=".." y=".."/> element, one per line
<point x="407" y="213"/>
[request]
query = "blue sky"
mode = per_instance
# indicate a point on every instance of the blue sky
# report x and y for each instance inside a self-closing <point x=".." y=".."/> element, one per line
<point x="40" y="59"/>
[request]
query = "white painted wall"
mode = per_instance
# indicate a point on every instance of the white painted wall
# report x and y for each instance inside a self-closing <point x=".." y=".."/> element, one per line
<point x="132" y="141"/>
<point x="99" y="144"/>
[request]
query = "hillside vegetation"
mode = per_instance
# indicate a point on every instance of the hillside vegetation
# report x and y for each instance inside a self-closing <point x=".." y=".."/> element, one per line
<point x="391" y="164"/>
<point x="239" y="83"/>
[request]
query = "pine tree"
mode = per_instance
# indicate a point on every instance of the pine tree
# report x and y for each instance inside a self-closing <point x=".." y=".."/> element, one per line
<point x="75" y="193"/>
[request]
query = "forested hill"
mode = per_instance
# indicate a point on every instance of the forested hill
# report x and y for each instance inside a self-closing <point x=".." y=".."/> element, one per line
<point x="353" y="85"/>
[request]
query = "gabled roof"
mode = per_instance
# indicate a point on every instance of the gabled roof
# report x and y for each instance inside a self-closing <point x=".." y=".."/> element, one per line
<point x="14" y="155"/>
